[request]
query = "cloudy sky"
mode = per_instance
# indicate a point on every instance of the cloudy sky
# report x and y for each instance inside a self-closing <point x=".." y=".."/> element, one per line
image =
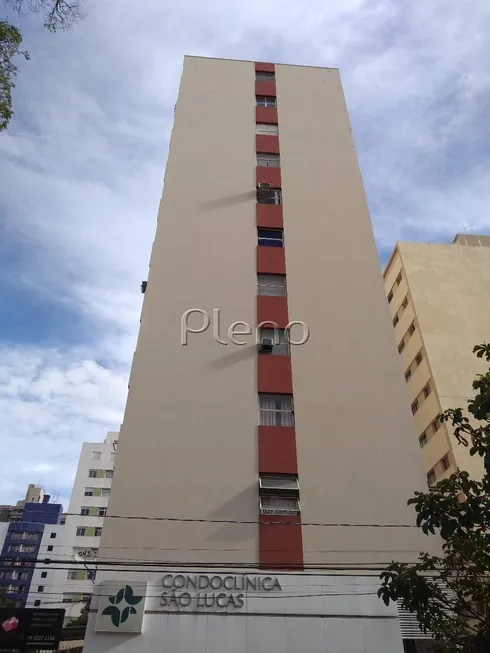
<point x="83" y="160"/>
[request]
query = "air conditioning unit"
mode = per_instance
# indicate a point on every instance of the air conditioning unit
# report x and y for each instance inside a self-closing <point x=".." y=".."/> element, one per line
<point x="263" y="190"/>
<point x="266" y="345"/>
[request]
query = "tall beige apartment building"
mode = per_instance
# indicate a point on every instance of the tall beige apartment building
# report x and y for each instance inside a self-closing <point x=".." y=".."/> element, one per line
<point x="259" y="483"/>
<point x="438" y="297"/>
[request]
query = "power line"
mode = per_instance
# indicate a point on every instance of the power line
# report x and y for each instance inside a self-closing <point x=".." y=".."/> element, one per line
<point x="238" y="521"/>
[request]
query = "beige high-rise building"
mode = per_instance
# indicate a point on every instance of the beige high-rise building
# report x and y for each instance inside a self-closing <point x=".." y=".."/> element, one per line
<point x="438" y="297"/>
<point x="262" y="481"/>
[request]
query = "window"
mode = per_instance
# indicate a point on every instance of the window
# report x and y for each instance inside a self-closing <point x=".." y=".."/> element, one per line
<point x="72" y="575"/>
<point x="423" y="440"/>
<point x="418" y="358"/>
<point x="277" y="337"/>
<point x="431" y="478"/>
<point x="274" y="196"/>
<point x="445" y="462"/>
<point x="436" y="425"/>
<point x="427" y="390"/>
<point x="109" y="473"/>
<point x="396" y="319"/>
<point x="50" y="547"/>
<point x="105" y="492"/>
<point x="390" y="296"/>
<point x="408" y="375"/>
<point x="271" y="284"/>
<point x="266" y="130"/>
<point x="275" y="410"/>
<point x="81" y="531"/>
<point x="89" y="492"/>
<point x="102" y="512"/>
<point x="415" y="406"/>
<point x="97" y="532"/>
<point x="401" y="346"/>
<point x="66" y="600"/>
<point x="37" y="603"/>
<point x="44" y="574"/>
<point x="92" y="473"/>
<point x="52" y="536"/>
<point x="279" y="482"/>
<point x="411" y="329"/>
<point x="405" y="303"/>
<point x="398" y="280"/>
<point x="270" y="237"/>
<point x="268" y="160"/>
<point x="95" y="455"/>
<point x="40" y="588"/>
<point x="266" y="101"/>
<point x="85" y="511"/>
<point x="265" y="77"/>
<point x="272" y="505"/>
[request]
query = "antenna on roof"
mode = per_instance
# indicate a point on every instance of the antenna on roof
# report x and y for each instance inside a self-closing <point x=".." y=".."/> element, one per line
<point x="468" y="228"/>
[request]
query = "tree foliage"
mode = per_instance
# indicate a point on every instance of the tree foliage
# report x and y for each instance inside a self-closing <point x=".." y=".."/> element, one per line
<point x="10" y="41"/>
<point x="450" y="592"/>
<point x="57" y="15"/>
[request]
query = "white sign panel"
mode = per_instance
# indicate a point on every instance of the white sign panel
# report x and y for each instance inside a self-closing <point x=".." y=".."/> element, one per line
<point x="121" y="607"/>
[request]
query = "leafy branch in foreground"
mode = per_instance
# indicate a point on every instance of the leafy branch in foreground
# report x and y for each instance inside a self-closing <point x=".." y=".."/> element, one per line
<point x="10" y="42"/>
<point x="450" y="593"/>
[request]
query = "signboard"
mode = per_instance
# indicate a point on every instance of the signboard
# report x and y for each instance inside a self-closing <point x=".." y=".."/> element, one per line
<point x="121" y="607"/>
<point x="30" y="628"/>
<point x="197" y="591"/>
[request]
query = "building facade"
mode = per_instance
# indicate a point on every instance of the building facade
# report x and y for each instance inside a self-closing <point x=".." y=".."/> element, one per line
<point x="438" y="301"/>
<point x="30" y="521"/>
<point x="63" y="582"/>
<point x="278" y="473"/>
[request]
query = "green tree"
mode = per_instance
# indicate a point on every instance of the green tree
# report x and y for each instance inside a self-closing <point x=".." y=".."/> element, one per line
<point x="57" y="15"/>
<point x="450" y="593"/>
<point x="83" y="618"/>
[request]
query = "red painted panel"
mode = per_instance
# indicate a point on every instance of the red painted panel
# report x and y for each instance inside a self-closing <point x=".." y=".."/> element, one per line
<point x="274" y="374"/>
<point x="266" y="114"/>
<point x="265" y="88"/>
<point x="269" y="215"/>
<point x="274" y="309"/>
<point x="262" y="67"/>
<point x="270" y="176"/>
<point x="280" y="542"/>
<point x="267" y="144"/>
<point x="277" y="450"/>
<point x="271" y="260"/>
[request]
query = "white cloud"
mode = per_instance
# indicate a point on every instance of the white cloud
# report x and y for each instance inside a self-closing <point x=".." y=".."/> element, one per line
<point x="83" y="165"/>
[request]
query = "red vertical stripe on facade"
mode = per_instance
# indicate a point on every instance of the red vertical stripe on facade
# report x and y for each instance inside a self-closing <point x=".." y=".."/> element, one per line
<point x="264" y="67"/>
<point x="266" y="114"/>
<point x="267" y="144"/>
<point x="280" y="537"/>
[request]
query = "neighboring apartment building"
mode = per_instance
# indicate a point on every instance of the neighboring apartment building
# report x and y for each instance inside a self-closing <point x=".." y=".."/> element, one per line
<point x="438" y="296"/>
<point x="79" y="538"/>
<point x="31" y="521"/>
<point x="264" y="483"/>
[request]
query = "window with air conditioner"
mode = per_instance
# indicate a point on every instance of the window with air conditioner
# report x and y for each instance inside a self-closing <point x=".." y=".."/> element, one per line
<point x="273" y="342"/>
<point x="268" y="101"/>
<point x="265" y="160"/>
<point x="270" y="196"/>
<point x="270" y="237"/>
<point x="265" y="77"/>
<point x="275" y="410"/>
<point x="273" y="285"/>
<point x="266" y="130"/>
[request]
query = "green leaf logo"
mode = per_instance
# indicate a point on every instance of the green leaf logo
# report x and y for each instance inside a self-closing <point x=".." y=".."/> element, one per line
<point x="117" y="615"/>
